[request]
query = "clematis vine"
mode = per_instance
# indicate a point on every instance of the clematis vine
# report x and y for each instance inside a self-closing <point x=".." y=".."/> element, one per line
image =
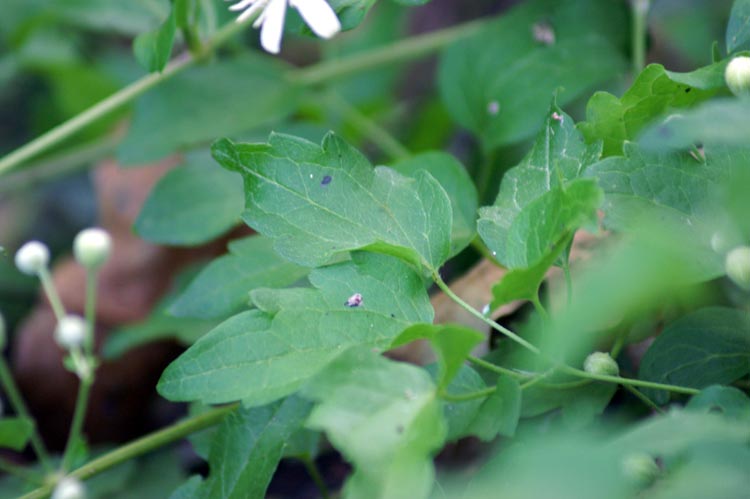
<point x="317" y="14"/>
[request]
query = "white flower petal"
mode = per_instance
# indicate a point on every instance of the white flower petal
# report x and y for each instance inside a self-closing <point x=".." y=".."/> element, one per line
<point x="319" y="16"/>
<point x="273" y="26"/>
<point x="241" y="5"/>
<point x="251" y="11"/>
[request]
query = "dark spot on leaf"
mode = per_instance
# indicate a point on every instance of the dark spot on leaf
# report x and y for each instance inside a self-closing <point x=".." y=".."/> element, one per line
<point x="665" y="132"/>
<point x="399" y="429"/>
<point x="393" y="316"/>
<point x="326" y="180"/>
<point x="687" y="90"/>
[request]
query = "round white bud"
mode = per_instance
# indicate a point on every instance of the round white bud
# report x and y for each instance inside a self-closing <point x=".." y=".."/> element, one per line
<point x="69" y="488"/>
<point x="601" y="363"/>
<point x="737" y="266"/>
<point x="92" y="247"/>
<point x="32" y="257"/>
<point x="641" y="468"/>
<point x="737" y="76"/>
<point x="70" y="332"/>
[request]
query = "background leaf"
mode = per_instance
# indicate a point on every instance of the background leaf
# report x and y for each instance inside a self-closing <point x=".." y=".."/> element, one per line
<point x="223" y="286"/>
<point x="338" y="201"/>
<point x="153" y="49"/>
<point x="15" y="432"/>
<point x="225" y="98"/>
<point x="364" y="398"/>
<point x="247" y="447"/>
<point x="191" y="205"/>
<point x="726" y="400"/>
<point x="297" y="332"/>
<point x="738" y="29"/>
<point x="499" y="413"/>
<point x="497" y="83"/>
<point x="709" y="346"/>
<point x="720" y="122"/>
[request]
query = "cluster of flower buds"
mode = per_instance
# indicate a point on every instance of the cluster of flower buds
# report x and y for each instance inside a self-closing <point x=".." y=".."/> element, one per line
<point x="91" y="248"/>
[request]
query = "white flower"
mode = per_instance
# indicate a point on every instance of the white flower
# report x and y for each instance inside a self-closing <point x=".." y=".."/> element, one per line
<point x="317" y="14"/>
<point x="69" y="488"/>
<point x="32" y="257"/>
<point x="70" y="332"/>
<point x="92" y="247"/>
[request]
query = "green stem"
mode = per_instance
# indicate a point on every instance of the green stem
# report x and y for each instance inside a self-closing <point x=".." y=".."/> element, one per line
<point x="397" y="52"/>
<point x="568" y="279"/>
<point x="314" y="473"/>
<point x="76" y="427"/>
<point x="90" y="312"/>
<point x="369" y="129"/>
<point x="60" y="164"/>
<point x="14" y="396"/>
<point x="539" y="307"/>
<point x="507" y="332"/>
<point x="489" y="366"/>
<point x="400" y="51"/>
<point x="465" y="397"/>
<point x="640" y="396"/>
<point x="639" y="9"/>
<point x="24" y="474"/>
<point x="563" y="367"/>
<point x="141" y="446"/>
<point x="51" y="292"/>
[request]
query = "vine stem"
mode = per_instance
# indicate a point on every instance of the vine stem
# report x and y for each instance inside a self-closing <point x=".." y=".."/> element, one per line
<point x="401" y="51"/>
<point x="14" y="396"/>
<point x="141" y="446"/>
<point x="369" y="128"/>
<point x="314" y="473"/>
<point x="49" y="288"/>
<point x="563" y="367"/>
<point x="639" y="9"/>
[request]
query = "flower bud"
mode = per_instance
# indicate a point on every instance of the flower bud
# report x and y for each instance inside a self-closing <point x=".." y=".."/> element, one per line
<point x="69" y="488"/>
<point x="737" y="76"/>
<point x="70" y="332"/>
<point x="641" y="468"/>
<point x="32" y="257"/>
<point x="92" y="247"/>
<point x="737" y="266"/>
<point x="601" y="363"/>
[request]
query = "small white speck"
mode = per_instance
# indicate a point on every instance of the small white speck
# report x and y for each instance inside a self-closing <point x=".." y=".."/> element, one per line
<point x="311" y="175"/>
<point x="494" y="253"/>
<point x="493" y="108"/>
<point x="558" y="117"/>
<point x="543" y="33"/>
<point x="486" y="309"/>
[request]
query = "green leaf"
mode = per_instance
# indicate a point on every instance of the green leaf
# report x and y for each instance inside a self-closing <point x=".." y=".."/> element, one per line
<point x="540" y="200"/>
<point x="317" y="202"/>
<point x="499" y="413"/>
<point x="453" y="344"/>
<point x="738" y="29"/>
<point x="709" y="346"/>
<point x="674" y="190"/>
<point x="262" y="355"/>
<point x="727" y="400"/>
<point x="223" y="98"/>
<point x="460" y="415"/>
<point x="189" y="489"/>
<point x="653" y="93"/>
<point x="497" y="83"/>
<point x="247" y="448"/>
<point x="457" y="184"/>
<point x="152" y="49"/>
<point x="191" y="204"/>
<point x="223" y="286"/>
<point x="110" y="16"/>
<point x="523" y="284"/>
<point x="579" y="405"/>
<point x="384" y="417"/>
<point x="15" y="433"/>
<point x="721" y="122"/>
